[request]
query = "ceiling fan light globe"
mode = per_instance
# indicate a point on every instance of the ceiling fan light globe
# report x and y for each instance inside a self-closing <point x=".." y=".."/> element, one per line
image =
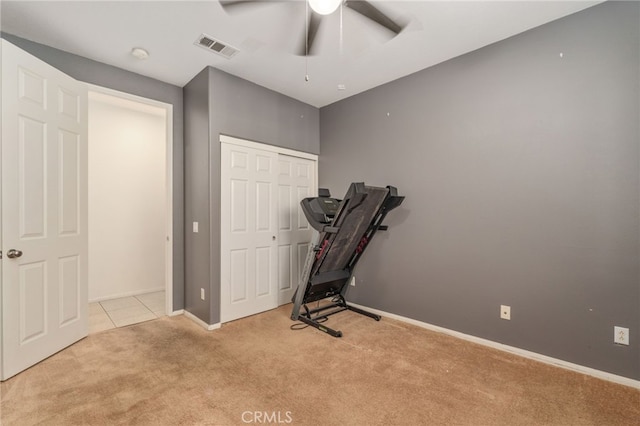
<point x="324" y="7"/>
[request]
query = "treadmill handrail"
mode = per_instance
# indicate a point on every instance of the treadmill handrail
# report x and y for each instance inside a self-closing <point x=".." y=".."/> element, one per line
<point x="330" y="229"/>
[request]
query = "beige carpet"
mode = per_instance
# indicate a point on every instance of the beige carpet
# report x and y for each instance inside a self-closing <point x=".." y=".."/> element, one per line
<point x="258" y="371"/>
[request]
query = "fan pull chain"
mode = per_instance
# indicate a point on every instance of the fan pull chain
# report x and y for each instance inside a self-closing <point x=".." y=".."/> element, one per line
<point x="341" y="40"/>
<point x="306" y="42"/>
<point x="341" y="85"/>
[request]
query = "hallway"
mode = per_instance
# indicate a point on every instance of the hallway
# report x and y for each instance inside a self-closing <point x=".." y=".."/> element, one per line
<point x="125" y="311"/>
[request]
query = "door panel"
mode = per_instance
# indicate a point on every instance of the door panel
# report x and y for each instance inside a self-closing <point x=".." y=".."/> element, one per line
<point x="284" y="266"/>
<point x="238" y="200"/>
<point x="263" y="272"/>
<point x="33" y="297"/>
<point x="70" y="295"/>
<point x="69" y="184"/>
<point x="248" y="273"/>
<point x="238" y="276"/>
<point x="296" y="181"/>
<point x="44" y="210"/>
<point x="32" y="190"/>
<point x="264" y="201"/>
<point x="31" y="87"/>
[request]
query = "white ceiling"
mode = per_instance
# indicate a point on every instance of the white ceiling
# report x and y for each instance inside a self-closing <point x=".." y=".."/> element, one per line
<point x="268" y="34"/>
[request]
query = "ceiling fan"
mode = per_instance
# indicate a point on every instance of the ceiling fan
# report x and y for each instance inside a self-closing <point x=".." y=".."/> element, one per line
<point x="318" y="9"/>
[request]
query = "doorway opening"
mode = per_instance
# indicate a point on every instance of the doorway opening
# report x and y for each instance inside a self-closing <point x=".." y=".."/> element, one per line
<point x="130" y="209"/>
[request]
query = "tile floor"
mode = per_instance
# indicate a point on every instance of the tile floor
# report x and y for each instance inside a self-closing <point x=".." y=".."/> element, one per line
<point x="125" y="311"/>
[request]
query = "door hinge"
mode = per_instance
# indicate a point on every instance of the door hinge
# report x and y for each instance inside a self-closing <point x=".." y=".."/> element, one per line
<point x="0" y="254"/>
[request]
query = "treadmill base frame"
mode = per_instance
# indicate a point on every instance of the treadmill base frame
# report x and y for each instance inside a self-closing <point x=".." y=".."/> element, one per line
<point x="339" y="304"/>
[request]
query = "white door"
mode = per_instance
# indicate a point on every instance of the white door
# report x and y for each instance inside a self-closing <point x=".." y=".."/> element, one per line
<point x="248" y="231"/>
<point x="296" y="180"/>
<point x="264" y="234"/>
<point x="44" y="210"/>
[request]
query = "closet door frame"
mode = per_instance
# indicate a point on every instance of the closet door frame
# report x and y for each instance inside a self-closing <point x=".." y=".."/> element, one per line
<point x="239" y="282"/>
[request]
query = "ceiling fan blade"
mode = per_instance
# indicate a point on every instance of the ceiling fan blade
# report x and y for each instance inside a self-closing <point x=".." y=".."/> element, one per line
<point x="307" y="46"/>
<point x="236" y="6"/>
<point x="367" y="10"/>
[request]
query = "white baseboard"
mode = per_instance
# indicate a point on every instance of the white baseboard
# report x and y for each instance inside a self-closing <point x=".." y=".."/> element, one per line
<point x="201" y="323"/>
<point x="126" y="294"/>
<point x="176" y="313"/>
<point x="511" y="349"/>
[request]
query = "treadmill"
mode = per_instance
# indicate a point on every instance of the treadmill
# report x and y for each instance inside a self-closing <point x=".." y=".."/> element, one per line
<point x="344" y="230"/>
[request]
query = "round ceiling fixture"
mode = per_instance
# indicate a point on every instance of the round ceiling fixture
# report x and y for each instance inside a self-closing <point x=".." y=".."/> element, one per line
<point x="139" y="53"/>
<point x="324" y="7"/>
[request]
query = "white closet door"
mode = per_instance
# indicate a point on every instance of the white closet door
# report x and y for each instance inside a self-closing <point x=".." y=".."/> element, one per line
<point x="296" y="180"/>
<point x="44" y="210"/>
<point x="248" y="231"/>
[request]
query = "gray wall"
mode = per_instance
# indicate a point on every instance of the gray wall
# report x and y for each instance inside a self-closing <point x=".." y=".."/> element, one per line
<point x="245" y="110"/>
<point x="521" y="171"/>
<point x="100" y="74"/>
<point x="196" y="193"/>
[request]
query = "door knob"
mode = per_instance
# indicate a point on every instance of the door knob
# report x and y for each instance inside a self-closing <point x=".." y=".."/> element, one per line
<point x="13" y="253"/>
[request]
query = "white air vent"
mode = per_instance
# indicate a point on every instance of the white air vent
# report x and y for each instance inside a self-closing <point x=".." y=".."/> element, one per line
<point x="215" y="46"/>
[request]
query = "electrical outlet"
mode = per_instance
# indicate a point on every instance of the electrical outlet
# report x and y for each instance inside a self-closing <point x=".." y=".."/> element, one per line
<point x="621" y="335"/>
<point x="202" y="293"/>
<point x="353" y="281"/>
<point x="505" y="312"/>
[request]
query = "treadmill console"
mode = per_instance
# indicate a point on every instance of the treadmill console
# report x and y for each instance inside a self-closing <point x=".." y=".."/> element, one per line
<point x="321" y="210"/>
